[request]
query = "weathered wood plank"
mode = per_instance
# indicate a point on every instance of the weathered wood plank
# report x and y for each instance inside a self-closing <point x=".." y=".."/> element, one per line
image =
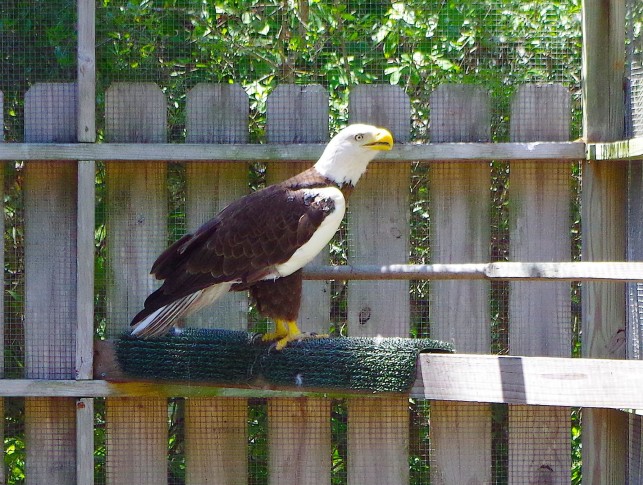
<point x="538" y="381"/>
<point x="616" y="150"/>
<point x="136" y="440"/>
<point x="216" y="433"/>
<point x="86" y="71"/>
<point x="299" y="440"/>
<point x="546" y="271"/>
<point x="85" y="133"/>
<point x="378" y="226"/>
<point x="136" y="235"/>
<point x="603" y="215"/>
<point x="539" y="314"/>
<point x="467" y="152"/>
<point x="85" y="440"/>
<point x="378" y="440"/>
<point x="460" y="234"/>
<point x="299" y="430"/>
<point x="85" y="252"/>
<point x="216" y="445"/>
<point x="548" y="381"/>
<point x="50" y="284"/>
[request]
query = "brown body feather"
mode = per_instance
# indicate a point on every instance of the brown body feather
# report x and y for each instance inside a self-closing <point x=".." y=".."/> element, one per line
<point x="242" y="245"/>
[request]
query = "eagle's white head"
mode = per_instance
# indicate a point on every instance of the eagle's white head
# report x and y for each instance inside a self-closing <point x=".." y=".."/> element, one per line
<point x="347" y="155"/>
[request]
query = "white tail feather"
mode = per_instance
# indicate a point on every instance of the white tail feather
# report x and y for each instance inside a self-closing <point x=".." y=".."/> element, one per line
<point x="163" y="319"/>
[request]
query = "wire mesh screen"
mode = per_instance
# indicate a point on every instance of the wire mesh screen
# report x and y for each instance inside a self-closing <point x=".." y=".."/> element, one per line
<point x="219" y="72"/>
<point x="634" y="68"/>
<point x="416" y="45"/>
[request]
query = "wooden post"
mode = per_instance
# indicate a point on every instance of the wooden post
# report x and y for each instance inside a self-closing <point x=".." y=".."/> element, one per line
<point x="137" y="218"/>
<point x="603" y="216"/>
<point x="216" y="434"/>
<point x="85" y="133"/>
<point x="460" y="195"/>
<point x="299" y="429"/>
<point x="378" y="221"/>
<point x="539" y="313"/>
<point x="50" y="285"/>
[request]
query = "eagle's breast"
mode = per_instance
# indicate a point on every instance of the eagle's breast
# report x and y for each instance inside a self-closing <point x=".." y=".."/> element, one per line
<point x="329" y="199"/>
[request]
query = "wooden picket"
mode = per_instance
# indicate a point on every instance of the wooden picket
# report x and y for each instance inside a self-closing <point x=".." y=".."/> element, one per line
<point x="298" y="429"/>
<point x="461" y="233"/>
<point x="50" y="283"/>
<point x="136" y="192"/>
<point x="378" y="227"/>
<point x="540" y="202"/>
<point x="216" y="114"/>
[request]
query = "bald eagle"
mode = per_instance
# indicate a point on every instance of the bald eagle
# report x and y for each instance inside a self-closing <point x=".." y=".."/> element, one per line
<point x="261" y="241"/>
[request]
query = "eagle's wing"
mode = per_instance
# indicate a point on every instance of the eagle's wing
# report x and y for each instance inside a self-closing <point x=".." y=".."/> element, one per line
<point x="243" y="244"/>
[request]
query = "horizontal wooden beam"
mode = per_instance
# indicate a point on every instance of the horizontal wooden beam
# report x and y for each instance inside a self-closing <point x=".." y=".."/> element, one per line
<point x="572" y="271"/>
<point x="618" y="150"/>
<point x="290" y="152"/>
<point x="547" y="381"/>
<point x="544" y="381"/>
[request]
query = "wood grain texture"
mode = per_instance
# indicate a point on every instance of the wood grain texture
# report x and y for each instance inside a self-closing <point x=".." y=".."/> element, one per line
<point x="299" y="440"/>
<point x="136" y="234"/>
<point x="463" y="152"/>
<point x="539" y="314"/>
<point x="50" y="284"/>
<point x="603" y="214"/>
<point x="460" y="233"/>
<point x="85" y="245"/>
<point x="299" y="114"/>
<point x="378" y="226"/>
<point x="216" y="441"/>
<point x="538" y="381"/>
<point x="299" y="429"/>
<point x="86" y="70"/>
<point x="378" y="440"/>
<point x="216" y="432"/>
<point x="502" y="270"/>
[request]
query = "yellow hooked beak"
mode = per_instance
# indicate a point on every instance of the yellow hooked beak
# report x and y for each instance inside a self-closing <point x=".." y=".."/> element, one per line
<point x="381" y="140"/>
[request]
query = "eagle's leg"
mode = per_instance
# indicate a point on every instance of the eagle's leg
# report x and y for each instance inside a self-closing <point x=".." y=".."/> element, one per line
<point x="281" y="331"/>
<point x="293" y="333"/>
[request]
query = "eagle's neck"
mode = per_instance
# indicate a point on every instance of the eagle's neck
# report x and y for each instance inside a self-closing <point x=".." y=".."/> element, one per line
<point x="343" y="167"/>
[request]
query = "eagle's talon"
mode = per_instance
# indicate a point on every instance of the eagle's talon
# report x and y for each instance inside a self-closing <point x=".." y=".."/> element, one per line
<point x="281" y="344"/>
<point x="286" y="332"/>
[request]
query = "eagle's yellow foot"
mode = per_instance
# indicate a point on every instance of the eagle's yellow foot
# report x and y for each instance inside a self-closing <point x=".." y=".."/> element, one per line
<point x="280" y="331"/>
<point x="286" y="332"/>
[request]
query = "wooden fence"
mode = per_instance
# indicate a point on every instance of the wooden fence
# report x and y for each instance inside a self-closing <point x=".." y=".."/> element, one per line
<point x="539" y="386"/>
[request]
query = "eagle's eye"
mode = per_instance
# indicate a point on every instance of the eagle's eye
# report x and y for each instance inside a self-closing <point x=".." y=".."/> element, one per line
<point x="359" y="137"/>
